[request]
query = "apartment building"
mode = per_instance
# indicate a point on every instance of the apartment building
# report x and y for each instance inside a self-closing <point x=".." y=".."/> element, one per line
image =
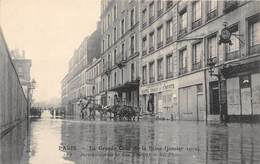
<point x="120" y="52"/>
<point x="76" y="83"/>
<point x="175" y="70"/>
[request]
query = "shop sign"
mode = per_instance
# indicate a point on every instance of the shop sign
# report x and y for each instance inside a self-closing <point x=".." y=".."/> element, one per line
<point x="161" y="87"/>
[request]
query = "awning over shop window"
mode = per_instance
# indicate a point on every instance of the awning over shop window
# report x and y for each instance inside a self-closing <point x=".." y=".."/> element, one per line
<point x="128" y="86"/>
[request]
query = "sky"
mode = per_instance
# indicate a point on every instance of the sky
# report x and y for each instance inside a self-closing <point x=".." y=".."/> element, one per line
<point x="49" y="31"/>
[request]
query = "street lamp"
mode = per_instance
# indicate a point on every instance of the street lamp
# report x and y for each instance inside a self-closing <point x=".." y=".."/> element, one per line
<point x="30" y="87"/>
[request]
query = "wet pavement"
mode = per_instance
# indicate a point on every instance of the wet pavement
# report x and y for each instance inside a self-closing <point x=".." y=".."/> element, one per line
<point x="57" y="141"/>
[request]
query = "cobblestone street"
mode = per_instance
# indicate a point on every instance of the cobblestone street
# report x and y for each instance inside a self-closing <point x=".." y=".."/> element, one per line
<point x="85" y="142"/>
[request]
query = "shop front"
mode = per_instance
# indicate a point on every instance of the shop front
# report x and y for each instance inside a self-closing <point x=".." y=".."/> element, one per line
<point x="160" y="99"/>
<point x="126" y="94"/>
<point x="243" y="91"/>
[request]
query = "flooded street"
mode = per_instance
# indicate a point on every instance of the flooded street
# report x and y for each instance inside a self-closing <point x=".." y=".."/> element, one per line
<point x="145" y="142"/>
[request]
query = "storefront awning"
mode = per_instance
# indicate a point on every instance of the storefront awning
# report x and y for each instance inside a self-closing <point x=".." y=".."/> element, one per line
<point x="241" y="68"/>
<point x="128" y="86"/>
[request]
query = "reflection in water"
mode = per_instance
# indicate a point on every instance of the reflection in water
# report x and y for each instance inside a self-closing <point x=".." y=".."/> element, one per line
<point x="144" y="142"/>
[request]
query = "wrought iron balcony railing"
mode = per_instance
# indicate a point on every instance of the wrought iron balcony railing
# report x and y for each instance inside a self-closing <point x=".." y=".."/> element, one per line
<point x="151" y="49"/>
<point x="230" y="5"/>
<point x="160" y="44"/>
<point x="233" y="55"/>
<point x="183" y="70"/>
<point x="254" y="49"/>
<point x="212" y="14"/>
<point x="196" y="65"/>
<point x="152" y="79"/>
<point x="196" y="23"/>
<point x="169" y="39"/>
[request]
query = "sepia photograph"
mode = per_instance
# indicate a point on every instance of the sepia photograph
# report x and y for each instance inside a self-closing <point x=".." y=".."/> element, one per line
<point x="130" y="81"/>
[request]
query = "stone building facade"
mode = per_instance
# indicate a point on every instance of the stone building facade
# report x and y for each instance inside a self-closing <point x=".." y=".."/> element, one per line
<point x="193" y="93"/>
<point x="166" y="57"/>
<point x="120" y="52"/>
<point x="75" y="83"/>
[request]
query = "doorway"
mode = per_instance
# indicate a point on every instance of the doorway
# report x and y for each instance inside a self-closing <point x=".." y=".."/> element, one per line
<point x="214" y="98"/>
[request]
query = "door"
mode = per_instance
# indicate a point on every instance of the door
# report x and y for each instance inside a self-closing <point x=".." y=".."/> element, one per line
<point x="214" y="98"/>
<point x="255" y="80"/>
<point x="233" y="96"/>
<point x="245" y="86"/>
<point x="201" y="107"/>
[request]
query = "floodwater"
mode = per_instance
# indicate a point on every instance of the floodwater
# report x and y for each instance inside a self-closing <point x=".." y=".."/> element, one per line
<point x="57" y="141"/>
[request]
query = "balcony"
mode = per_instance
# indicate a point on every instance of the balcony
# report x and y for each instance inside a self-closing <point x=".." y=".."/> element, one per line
<point x="151" y="19"/>
<point x="196" y="23"/>
<point x="107" y="67"/>
<point x="212" y="14"/>
<point x="230" y="5"/>
<point x="196" y="66"/>
<point x="160" y="77"/>
<point x="254" y="49"/>
<point x="183" y="70"/>
<point x="144" y="25"/>
<point x="169" y="75"/>
<point x="159" y="44"/>
<point x="233" y="55"/>
<point x="159" y="12"/>
<point x="144" y="81"/>
<point x="169" y="4"/>
<point x="182" y="31"/>
<point x="121" y="61"/>
<point x="144" y="52"/>
<point x="169" y="39"/>
<point x="151" y="79"/>
<point x="151" y="49"/>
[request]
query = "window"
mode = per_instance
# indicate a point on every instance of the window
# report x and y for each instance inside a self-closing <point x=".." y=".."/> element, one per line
<point x="213" y="5"/>
<point x="212" y="47"/>
<point x="115" y="34"/>
<point x="169" y="4"/>
<point x="109" y="61"/>
<point x="196" y="56"/>
<point x="196" y="14"/>
<point x="151" y="72"/>
<point x="115" y="56"/>
<point x="123" y="51"/>
<point x="115" y="79"/>
<point x="160" y="69"/>
<point x="160" y="36"/>
<point x="183" y="21"/>
<point x="169" y="30"/>
<point x="144" y="17"/>
<point x="199" y="88"/>
<point x="115" y="12"/>
<point x="254" y="34"/>
<point x="245" y="81"/>
<point x="103" y="45"/>
<point x="108" y="20"/>
<point x="212" y="9"/>
<point x="144" y="74"/>
<point x="108" y="40"/>
<point x="132" y="72"/>
<point x="159" y="8"/>
<point x="183" y="61"/>
<point x="151" y="42"/>
<point x="169" y="66"/>
<point x="132" y="45"/>
<point x="108" y="81"/>
<point x="233" y="50"/>
<point x="151" y="12"/>
<point x="122" y="26"/>
<point x="144" y="45"/>
<point x="132" y="17"/>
